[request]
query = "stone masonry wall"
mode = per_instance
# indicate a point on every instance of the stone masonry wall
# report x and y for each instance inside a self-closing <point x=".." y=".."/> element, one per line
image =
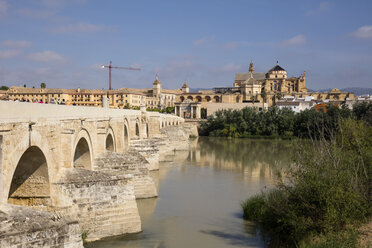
<point x="149" y="150"/>
<point x="23" y="227"/>
<point x="130" y="163"/>
<point x="103" y="203"/>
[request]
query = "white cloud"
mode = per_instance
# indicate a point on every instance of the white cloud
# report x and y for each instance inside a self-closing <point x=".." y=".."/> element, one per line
<point x="231" y="45"/>
<point x="60" y="3"/>
<point x="3" y="8"/>
<point x="35" y="13"/>
<point x="204" y="40"/>
<point x="364" y="32"/>
<point x="230" y="68"/>
<point x="16" y="43"/>
<point x="323" y="6"/>
<point x="8" y="54"/>
<point x="81" y="28"/>
<point x="294" y="41"/>
<point x="47" y="56"/>
<point x="95" y="67"/>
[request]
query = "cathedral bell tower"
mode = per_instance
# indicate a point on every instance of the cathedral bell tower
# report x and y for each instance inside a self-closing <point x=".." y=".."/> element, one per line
<point x="251" y="68"/>
<point x="156" y="87"/>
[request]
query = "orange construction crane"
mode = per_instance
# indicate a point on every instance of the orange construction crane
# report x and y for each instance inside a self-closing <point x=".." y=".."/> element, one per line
<point x="117" y="67"/>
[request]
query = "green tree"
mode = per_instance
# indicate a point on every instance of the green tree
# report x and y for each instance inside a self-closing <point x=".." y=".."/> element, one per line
<point x="43" y="85"/>
<point x="363" y="111"/>
<point x="4" y="87"/>
<point x="203" y="113"/>
<point x="263" y="95"/>
<point x="24" y="85"/>
<point x="279" y="95"/>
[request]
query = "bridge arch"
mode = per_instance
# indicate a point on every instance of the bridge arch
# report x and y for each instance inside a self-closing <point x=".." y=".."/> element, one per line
<point x="83" y="153"/>
<point x="137" y="129"/>
<point x="110" y="143"/>
<point x="30" y="181"/>
<point x="147" y="130"/>
<point x="126" y="133"/>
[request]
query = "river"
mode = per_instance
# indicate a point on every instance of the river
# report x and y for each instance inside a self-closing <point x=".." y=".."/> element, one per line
<point x="200" y="191"/>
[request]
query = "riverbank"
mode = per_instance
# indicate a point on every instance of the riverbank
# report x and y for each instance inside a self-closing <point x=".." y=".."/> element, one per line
<point x="324" y="197"/>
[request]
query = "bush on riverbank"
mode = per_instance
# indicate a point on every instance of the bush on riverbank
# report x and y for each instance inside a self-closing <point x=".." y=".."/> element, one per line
<point x="283" y="123"/>
<point x="326" y="192"/>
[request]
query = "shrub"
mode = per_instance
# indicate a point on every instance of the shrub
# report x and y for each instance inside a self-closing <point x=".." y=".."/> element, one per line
<point x="327" y="190"/>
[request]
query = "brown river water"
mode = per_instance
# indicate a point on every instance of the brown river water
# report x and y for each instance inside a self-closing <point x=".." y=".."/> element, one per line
<point x="200" y="192"/>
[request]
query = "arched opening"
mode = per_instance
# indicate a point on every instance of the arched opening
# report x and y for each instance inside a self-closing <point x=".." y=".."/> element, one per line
<point x="137" y="129"/>
<point x="208" y="98"/>
<point x="182" y="98"/>
<point x="110" y="143"/>
<point x="82" y="155"/>
<point x="30" y="182"/>
<point x="190" y="97"/>
<point x="126" y="137"/>
<point x="216" y="99"/>
<point x="198" y="98"/>
<point x="147" y="130"/>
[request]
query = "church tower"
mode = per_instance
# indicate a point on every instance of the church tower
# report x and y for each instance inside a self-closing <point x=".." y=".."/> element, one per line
<point x="185" y="88"/>
<point x="156" y="87"/>
<point x="251" y="67"/>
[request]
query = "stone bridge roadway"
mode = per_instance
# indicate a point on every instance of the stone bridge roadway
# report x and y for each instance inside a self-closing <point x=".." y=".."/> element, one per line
<point x="78" y="170"/>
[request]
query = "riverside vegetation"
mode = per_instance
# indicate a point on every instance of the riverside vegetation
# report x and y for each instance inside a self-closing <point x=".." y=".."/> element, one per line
<point x="324" y="196"/>
<point x="282" y="123"/>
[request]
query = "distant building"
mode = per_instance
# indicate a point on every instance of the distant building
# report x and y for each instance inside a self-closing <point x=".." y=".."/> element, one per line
<point x="121" y="98"/>
<point x="296" y="104"/>
<point x="3" y="94"/>
<point x="262" y="90"/>
<point x="252" y="89"/>
<point x="359" y="99"/>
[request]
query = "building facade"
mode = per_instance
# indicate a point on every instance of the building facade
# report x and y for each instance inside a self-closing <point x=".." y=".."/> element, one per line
<point x="267" y="88"/>
<point x="121" y="98"/>
<point x="252" y="89"/>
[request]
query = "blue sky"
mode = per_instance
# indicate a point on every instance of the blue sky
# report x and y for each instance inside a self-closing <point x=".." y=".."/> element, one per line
<point x="64" y="42"/>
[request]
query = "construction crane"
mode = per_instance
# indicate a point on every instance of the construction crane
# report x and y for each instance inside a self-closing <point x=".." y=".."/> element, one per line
<point x="117" y="67"/>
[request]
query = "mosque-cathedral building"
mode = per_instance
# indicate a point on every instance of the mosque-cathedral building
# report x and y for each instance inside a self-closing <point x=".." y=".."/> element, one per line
<point x="254" y="89"/>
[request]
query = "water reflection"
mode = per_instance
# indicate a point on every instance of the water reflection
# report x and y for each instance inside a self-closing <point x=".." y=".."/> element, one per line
<point x="200" y="192"/>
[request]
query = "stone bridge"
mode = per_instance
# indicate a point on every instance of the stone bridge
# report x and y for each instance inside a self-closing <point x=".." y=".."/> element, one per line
<point x="80" y="168"/>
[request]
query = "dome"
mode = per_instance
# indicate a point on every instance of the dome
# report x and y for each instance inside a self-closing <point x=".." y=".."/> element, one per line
<point x="276" y="68"/>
